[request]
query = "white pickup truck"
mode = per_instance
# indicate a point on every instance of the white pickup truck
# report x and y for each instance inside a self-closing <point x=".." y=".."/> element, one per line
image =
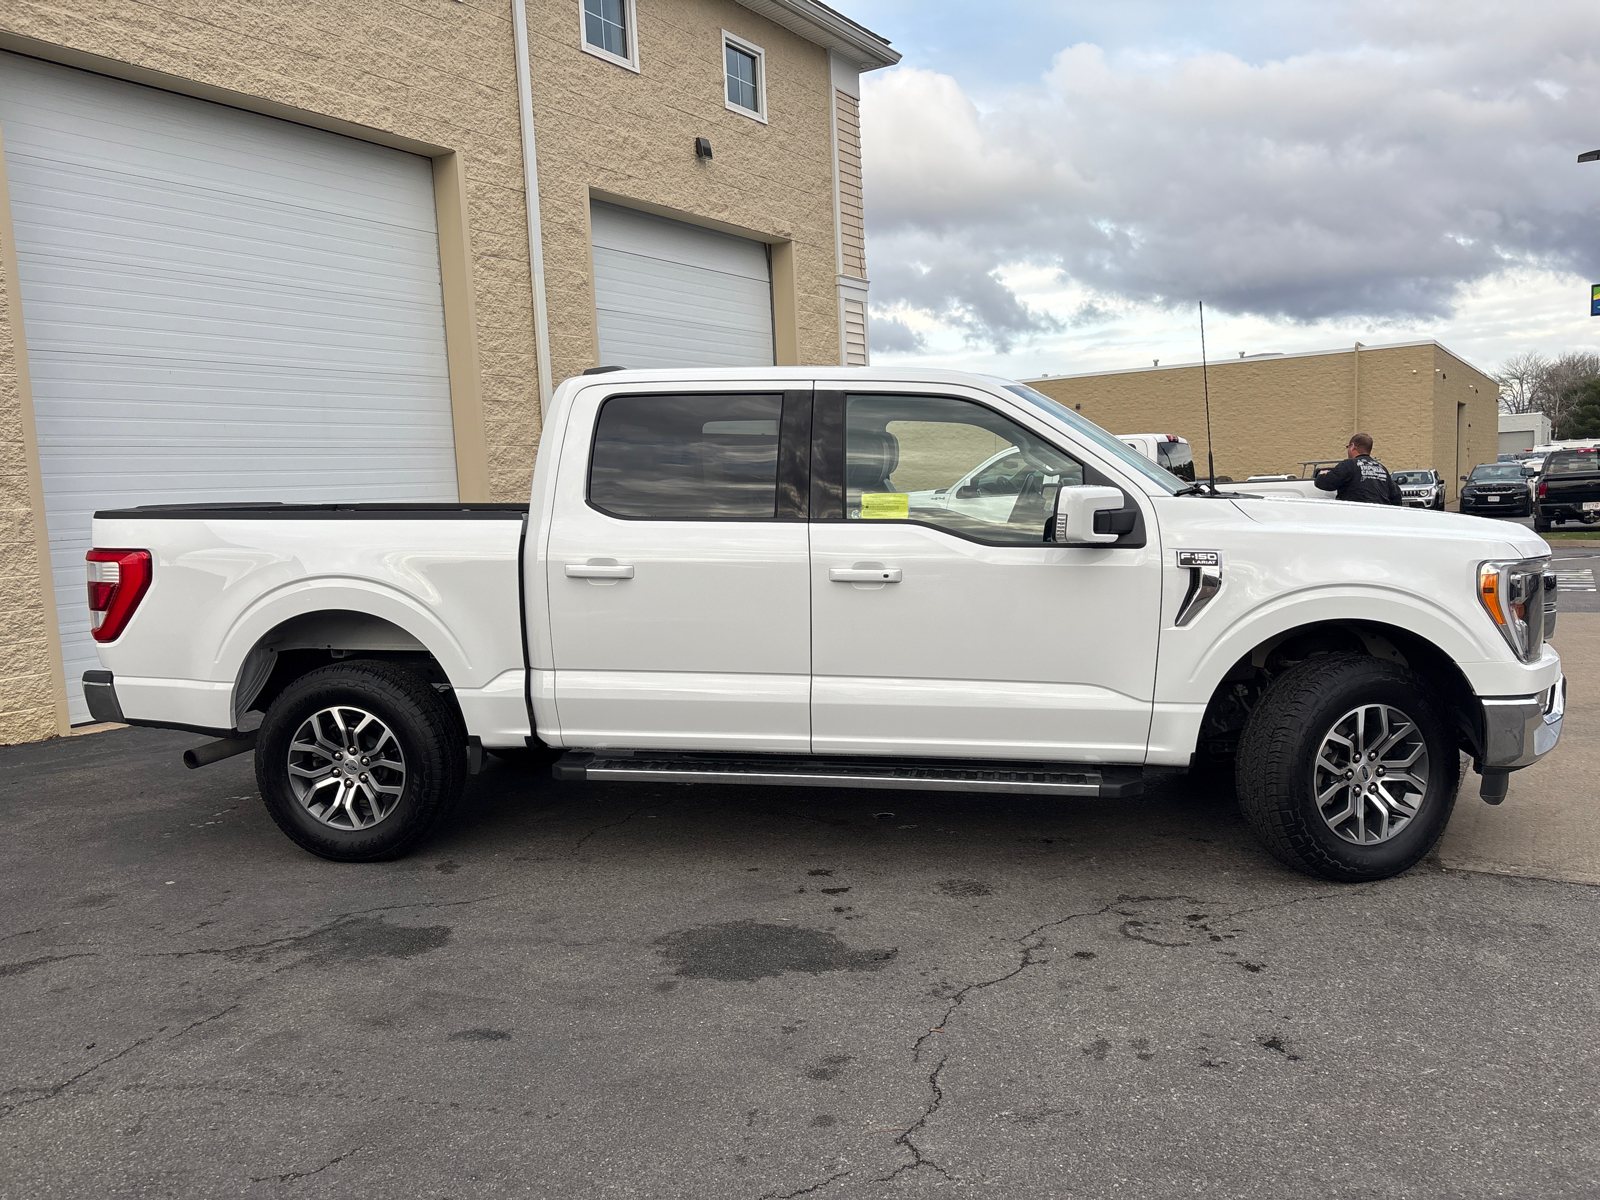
<point x="762" y="577"/>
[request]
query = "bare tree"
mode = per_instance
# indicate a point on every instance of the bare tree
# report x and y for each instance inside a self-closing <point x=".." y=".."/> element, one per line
<point x="1530" y="382"/>
<point x="1520" y="378"/>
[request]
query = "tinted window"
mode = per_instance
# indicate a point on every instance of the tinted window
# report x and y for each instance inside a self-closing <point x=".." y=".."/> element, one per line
<point x="1413" y="478"/>
<point x="687" y="458"/>
<point x="1573" y="463"/>
<point x="950" y="463"/>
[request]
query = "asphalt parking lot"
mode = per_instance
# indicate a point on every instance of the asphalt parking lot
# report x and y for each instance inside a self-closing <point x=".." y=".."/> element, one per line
<point x="635" y="991"/>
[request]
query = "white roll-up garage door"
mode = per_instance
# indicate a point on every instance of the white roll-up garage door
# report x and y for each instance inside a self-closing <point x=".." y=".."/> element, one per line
<point x="218" y="306"/>
<point x="669" y="294"/>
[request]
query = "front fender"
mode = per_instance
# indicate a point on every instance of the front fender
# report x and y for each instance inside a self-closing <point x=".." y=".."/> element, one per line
<point x="1195" y="659"/>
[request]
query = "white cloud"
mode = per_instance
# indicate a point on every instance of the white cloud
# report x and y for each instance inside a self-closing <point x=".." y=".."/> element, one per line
<point x="1400" y="182"/>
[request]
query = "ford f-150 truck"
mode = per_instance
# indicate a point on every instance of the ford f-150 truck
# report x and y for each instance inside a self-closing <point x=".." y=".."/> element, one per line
<point x="763" y="577"/>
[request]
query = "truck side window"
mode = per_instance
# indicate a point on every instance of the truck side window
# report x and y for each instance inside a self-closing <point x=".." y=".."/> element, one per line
<point x="687" y="458"/>
<point x="953" y="464"/>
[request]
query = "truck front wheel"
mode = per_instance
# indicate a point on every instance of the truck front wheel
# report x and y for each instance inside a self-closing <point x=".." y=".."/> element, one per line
<point x="359" y="761"/>
<point x="1347" y="770"/>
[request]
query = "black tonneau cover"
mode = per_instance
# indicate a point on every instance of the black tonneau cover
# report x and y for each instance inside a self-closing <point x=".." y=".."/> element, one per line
<point x="255" y="510"/>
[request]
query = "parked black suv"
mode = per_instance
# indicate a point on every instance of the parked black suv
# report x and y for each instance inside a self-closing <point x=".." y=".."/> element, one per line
<point x="1569" y="489"/>
<point x="1497" y="490"/>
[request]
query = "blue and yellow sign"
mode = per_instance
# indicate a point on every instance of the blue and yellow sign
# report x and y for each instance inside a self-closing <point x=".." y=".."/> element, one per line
<point x="1594" y="299"/>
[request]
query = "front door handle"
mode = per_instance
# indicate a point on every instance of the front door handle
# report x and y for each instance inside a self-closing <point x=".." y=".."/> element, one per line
<point x="864" y="574"/>
<point x="599" y="570"/>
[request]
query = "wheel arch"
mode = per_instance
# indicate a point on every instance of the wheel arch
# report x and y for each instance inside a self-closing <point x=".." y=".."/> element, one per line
<point x="1234" y="696"/>
<point x="304" y="641"/>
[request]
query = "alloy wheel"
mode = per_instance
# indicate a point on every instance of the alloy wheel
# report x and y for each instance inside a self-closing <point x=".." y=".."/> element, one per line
<point x="1371" y="774"/>
<point x="346" y="768"/>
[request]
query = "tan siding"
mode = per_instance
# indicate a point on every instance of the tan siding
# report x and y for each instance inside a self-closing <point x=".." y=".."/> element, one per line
<point x="852" y="211"/>
<point x="855" y="333"/>
<point x="1268" y="415"/>
<point x="606" y="130"/>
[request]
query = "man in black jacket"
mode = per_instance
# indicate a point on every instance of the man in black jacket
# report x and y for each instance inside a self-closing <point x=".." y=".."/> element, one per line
<point x="1360" y="476"/>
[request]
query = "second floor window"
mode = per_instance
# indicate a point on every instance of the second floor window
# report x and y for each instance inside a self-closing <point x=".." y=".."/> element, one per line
<point x="608" y="29"/>
<point x="745" y="69"/>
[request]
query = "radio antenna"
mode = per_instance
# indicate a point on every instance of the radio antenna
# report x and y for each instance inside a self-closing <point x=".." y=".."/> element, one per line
<point x="1205" y="379"/>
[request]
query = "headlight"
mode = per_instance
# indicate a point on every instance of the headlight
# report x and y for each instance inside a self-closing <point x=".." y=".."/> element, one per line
<point x="1513" y="594"/>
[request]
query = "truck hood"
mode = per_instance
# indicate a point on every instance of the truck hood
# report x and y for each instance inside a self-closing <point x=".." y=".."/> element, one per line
<point x="1385" y="524"/>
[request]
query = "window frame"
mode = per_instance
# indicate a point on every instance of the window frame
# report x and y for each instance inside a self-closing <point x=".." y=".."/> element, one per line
<point x="631" y="62"/>
<point x="792" y="485"/>
<point x="760" y="55"/>
<point x="829" y="456"/>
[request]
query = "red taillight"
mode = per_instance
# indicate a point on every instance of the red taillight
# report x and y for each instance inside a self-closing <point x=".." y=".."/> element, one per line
<point x="1544" y="489"/>
<point x="118" y="580"/>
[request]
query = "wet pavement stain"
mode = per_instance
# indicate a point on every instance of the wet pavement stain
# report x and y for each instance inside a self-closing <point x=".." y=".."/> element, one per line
<point x="743" y="951"/>
<point x="363" y="938"/>
<point x="965" y="888"/>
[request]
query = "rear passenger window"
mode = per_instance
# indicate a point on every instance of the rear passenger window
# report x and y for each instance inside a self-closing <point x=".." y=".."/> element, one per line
<point x="687" y="458"/>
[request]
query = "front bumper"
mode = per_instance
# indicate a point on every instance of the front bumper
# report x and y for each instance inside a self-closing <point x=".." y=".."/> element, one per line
<point x="1520" y="730"/>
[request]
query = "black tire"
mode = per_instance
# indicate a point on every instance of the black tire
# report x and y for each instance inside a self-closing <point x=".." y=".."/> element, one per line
<point x="1541" y="524"/>
<point x="426" y="728"/>
<point x="1278" y="752"/>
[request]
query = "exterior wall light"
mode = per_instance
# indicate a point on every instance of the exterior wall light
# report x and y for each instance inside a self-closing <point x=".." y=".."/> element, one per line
<point x="702" y="147"/>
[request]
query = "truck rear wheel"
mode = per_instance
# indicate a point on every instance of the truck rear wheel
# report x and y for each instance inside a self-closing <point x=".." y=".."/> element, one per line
<point x="360" y="761"/>
<point x="1347" y="770"/>
<point x="1541" y="524"/>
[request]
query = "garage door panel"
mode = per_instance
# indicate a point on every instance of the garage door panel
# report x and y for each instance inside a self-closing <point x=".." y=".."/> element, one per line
<point x="218" y="306"/>
<point x="669" y="294"/>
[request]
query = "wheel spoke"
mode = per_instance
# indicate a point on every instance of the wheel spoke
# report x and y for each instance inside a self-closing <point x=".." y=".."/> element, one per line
<point x="1332" y="789"/>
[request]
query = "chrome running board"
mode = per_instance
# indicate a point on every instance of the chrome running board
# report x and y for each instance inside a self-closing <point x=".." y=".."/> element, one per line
<point x="920" y="775"/>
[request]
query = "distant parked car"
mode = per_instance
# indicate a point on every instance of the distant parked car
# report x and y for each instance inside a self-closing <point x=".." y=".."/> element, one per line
<point x="1420" y="489"/>
<point x="1569" y="489"/>
<point x="1497" y="489"/>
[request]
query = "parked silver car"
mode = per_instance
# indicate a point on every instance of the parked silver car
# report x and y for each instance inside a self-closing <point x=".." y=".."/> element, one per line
<point x="1421" y="489"/>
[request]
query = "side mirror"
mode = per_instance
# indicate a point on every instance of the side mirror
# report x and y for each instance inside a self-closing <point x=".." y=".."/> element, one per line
<point x="1463" y="479"/>
<point x="1077" y="510"/>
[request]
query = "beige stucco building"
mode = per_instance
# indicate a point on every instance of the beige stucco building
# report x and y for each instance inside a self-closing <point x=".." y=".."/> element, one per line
<point x="1423" y="406"/>
<point x="233" y="234"/>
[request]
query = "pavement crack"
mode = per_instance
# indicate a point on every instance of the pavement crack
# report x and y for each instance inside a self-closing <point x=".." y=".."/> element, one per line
<point x="805" y="1191"/>
<point x="1028" y="960"/>
<point x="21" y="933"/>
<point x="22" y="968"/>
<point x="918" y="1158"/>
<point x="283" y="942"/>
<point x="291" y="1176"/>
<point x="1243" y="912"/>
<point x="203" y="1021"/>
<point x="51" y="1093"/>
<point x="599" y="829"/>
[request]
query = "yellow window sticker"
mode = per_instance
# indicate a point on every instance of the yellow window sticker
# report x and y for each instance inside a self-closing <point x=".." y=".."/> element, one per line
<point x="885" y="506"/>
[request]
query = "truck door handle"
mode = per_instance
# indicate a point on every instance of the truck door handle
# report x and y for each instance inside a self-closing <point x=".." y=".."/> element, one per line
<point x="864" y="574"/>
<point x="599" y="570"/>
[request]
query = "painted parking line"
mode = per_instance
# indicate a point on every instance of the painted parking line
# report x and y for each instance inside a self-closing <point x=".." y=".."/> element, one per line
<point x="1575" y="581"/>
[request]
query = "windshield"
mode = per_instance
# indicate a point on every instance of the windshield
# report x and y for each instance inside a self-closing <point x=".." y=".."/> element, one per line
<point x="1125" y="455"/>
<point x="1413" y="477"/>
<point x="1498" y="471"/>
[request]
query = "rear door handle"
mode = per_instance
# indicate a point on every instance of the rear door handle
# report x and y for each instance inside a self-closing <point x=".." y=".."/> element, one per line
<point x="599" y="570"/>
<point x="864" y="574"/>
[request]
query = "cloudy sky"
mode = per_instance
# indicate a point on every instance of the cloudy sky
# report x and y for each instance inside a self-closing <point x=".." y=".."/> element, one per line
<point x="1052" y="186"/>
